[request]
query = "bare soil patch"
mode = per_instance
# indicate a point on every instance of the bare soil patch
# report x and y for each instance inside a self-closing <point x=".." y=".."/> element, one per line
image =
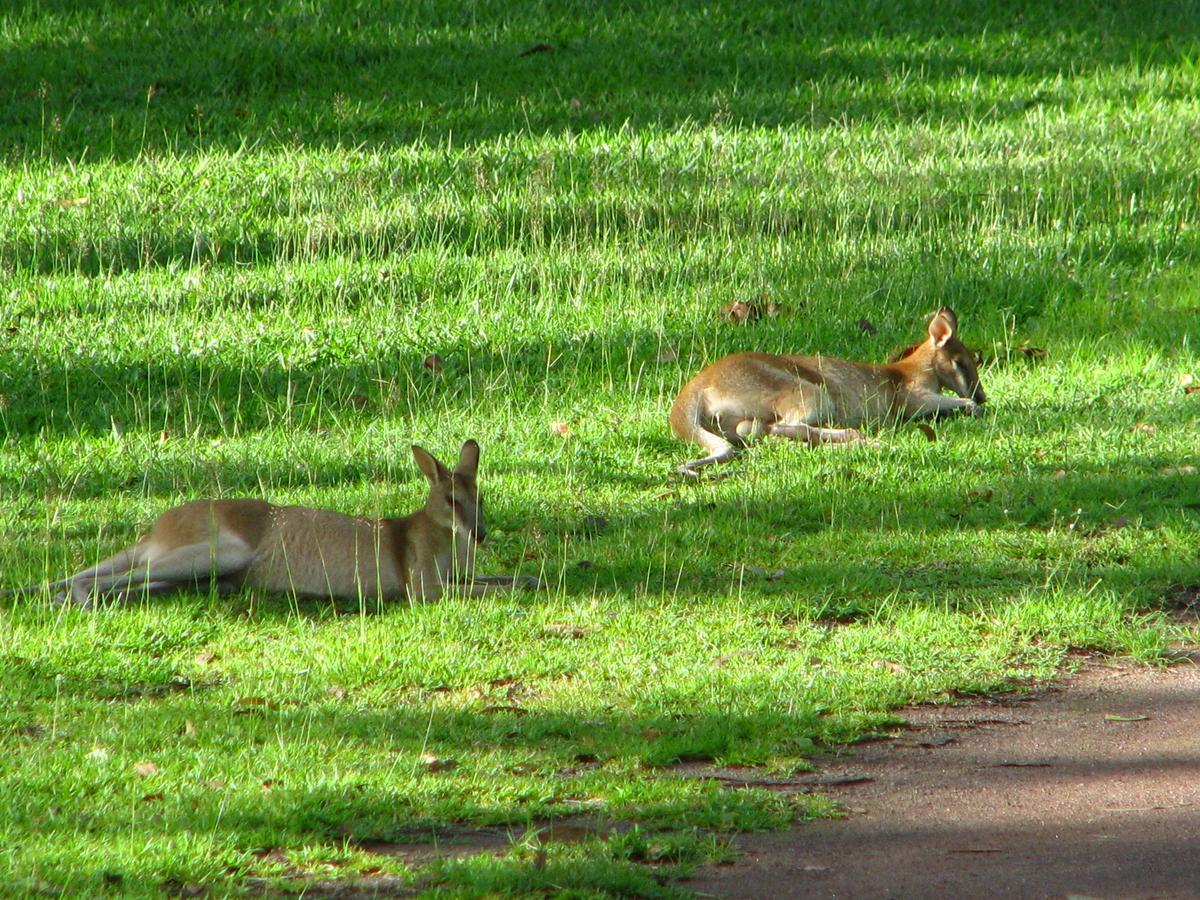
<point x="1087" y="788"/>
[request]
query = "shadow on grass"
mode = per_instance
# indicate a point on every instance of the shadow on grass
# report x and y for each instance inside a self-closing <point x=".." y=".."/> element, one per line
<point x="185" y="394"/>
<point x="119" y="79"/>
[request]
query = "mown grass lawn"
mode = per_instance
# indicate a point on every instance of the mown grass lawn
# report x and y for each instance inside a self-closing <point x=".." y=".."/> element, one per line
<point x="233" y="235"/>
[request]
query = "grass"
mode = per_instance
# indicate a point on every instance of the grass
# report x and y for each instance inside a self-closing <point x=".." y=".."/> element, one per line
<point x="232" y="236"/>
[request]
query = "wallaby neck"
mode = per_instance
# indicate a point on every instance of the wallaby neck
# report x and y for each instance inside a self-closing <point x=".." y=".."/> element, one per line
<point x="913" y="371"/>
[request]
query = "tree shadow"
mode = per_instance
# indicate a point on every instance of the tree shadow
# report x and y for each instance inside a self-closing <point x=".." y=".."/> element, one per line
<point x="119" y="80"/>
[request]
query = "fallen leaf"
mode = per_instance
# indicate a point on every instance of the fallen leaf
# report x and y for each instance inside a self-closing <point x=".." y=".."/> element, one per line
<point x="513" y="710"/>
<point x="1145" y="428"/>
<point x="1112" y="717"/>
<point x="866" y="327"/>
<point x="1186" y="379"/>
<point x="204" y="657"/>
<point x="537" y="48"/>
<point x="560" y="428"/>
<point x="269" y="784"/>
<point x="246" y="705"/>
<point x="152" y="798"/>
<point x="1194" y="389"/>
<point x="937" y="742"/>
<point x="1178" y="470"/>
<point x="187" y="729"/>
<point x="98" y="754"/>
<point x="890" y="666"/>
<point x="594" y="524"/>
<point x="740" y="311"/>
<point x="433" y="363"/>
<point x="1032" y="352"/>
<point x="337" y="693"/>
<point x="145" y="768"/>
<point x="434" y="763"/>
<point x="215" y="784"/>
<point x="571" y="632"/>
<point x="72" y="202"/>
<point x="927" y="430"/>
<point x="668" y="355"/>
<point x="1059" y="474"/>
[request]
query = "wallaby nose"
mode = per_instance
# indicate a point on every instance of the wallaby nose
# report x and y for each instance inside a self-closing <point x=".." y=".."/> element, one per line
<point x="979" y="397"/>
<point x="480" y="533"/>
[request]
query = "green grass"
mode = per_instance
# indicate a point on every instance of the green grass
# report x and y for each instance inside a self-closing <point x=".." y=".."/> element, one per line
<point x="288" y="208"/>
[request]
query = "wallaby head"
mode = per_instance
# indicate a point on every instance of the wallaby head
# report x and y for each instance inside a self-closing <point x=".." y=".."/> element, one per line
<point x="454" y="500"/>
<point x="946" y="357"/>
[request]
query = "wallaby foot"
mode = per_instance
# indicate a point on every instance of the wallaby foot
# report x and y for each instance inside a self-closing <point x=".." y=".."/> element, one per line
<point x="692" y="469"/>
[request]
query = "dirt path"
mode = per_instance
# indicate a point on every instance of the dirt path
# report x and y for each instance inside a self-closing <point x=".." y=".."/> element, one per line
<point x="1088" y="789"/>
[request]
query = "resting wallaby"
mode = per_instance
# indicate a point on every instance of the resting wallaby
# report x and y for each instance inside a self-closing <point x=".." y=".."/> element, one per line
<point x="740" y="397"/>
<point x="305" y="551"/>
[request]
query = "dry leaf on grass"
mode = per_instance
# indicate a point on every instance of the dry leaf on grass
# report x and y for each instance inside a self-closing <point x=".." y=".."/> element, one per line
<point x="1032" y="352"/>
<point x="500" y="708"/>
<point x="1177" y="470"/>
<point x="668" y="355"/>
<point x="434" y="763"/>
<point x="145" y="768"/>
<point x="743" y="311"/>
<point x="894" y="667"/>
<point x="537" y="48"/>
<point x="1145" y="428"/>
<point x="866" y="327"/>
<point x="563" y="630"/>
<point x="73" y="202"/>
<point x="927" y="430"/>
<point x="560" y="428"/>
<point x="433" y="363"/>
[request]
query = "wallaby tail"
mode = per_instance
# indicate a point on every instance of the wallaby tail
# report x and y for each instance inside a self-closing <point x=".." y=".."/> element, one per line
<point x="688" y="423"/>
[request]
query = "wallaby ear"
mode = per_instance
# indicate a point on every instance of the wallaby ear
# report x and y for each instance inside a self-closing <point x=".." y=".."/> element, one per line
<point x="433" y="469"/>
<point x="942" y="326"/>
<point x="468" y="459"/>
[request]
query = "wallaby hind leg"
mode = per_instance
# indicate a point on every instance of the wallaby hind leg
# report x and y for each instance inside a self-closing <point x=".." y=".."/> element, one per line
<point x="814" y="435"/>
<point x="187" y="565"/>
<point x="80" y="584"/>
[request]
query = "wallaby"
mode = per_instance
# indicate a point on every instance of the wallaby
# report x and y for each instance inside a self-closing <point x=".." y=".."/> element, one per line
<point x="745" y="395"/>
<point x="305" y="551"/>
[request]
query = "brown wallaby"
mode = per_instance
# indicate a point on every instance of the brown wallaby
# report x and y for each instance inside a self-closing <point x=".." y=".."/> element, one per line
<point x="305" y="551"/>
<point x="818" y="399"/>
